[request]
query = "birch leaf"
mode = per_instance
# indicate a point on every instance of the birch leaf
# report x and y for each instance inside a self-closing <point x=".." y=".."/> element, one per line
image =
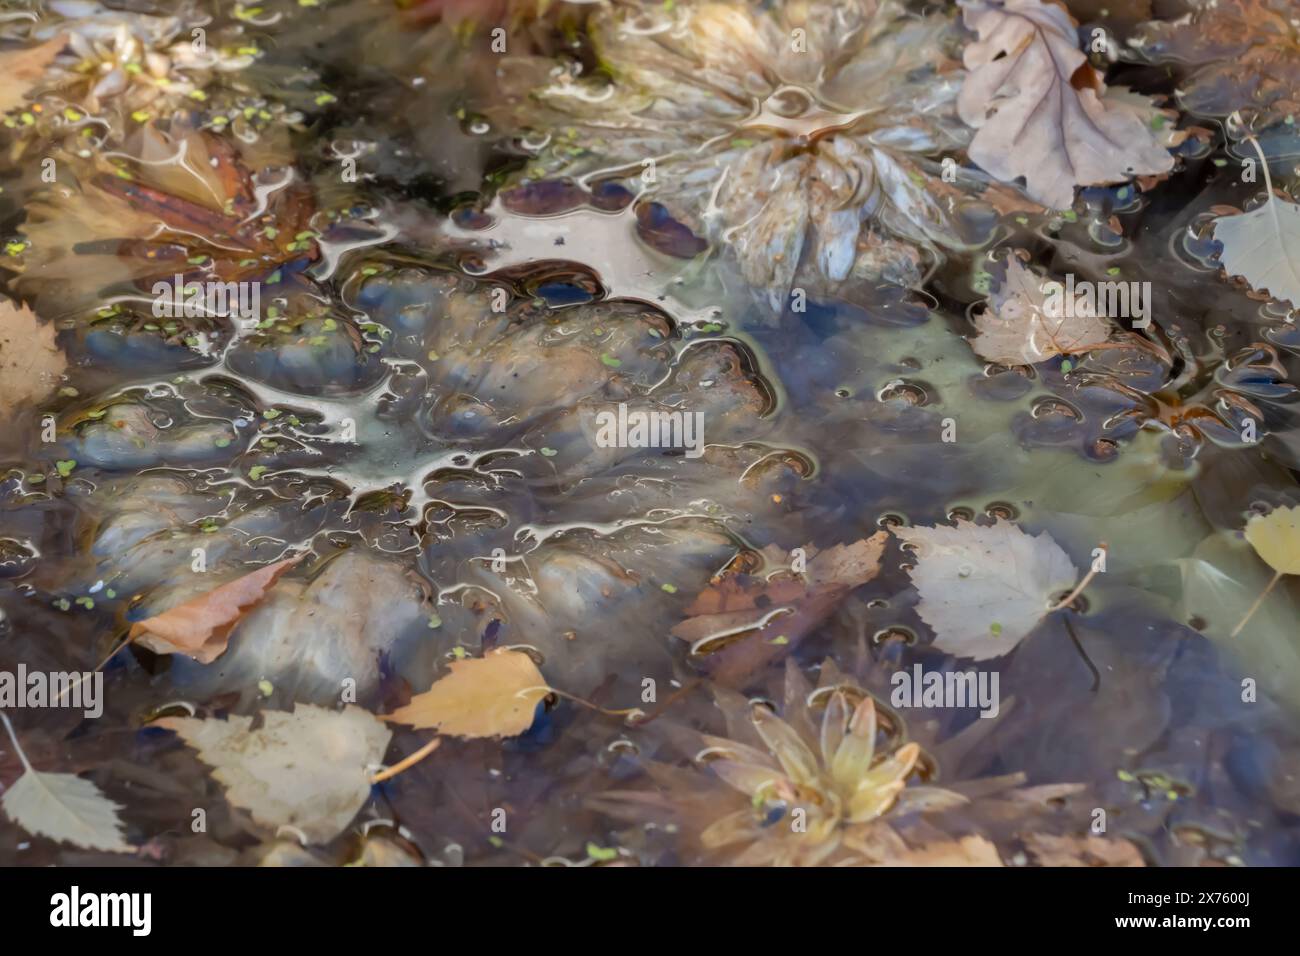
<point x="30" y="360"/>
<point x="1039" y="109"/>
<point x="23" y="69"/>
<point x="1021" y="326"/>
<point x="1276" y="538"/>
<point x="63" y="807"/>
<point x="308" y="769"/>
<point x="1263" y="247"/>
<point x="984" y="589"/>
<point x="491" y="696"/>
<point x="200" y="627"/>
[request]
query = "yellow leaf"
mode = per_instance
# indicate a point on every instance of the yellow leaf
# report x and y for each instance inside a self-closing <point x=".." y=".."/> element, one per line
<point x="1276" y="538"/>
<point x="23" y="69"/>
<point x="201" y="626"/>
<point x="490" y="696"/>
<point x="30" y="361"/>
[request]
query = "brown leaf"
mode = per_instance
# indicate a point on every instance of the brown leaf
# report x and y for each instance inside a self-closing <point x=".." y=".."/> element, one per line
<point x="742" y="623"/>
<point x="966" y="851"/>
<point x="200" y="627"/>
<point x="1082" y="851"/>
<point x="491" y="696"/>
<point x="23" y="69"/>
<point x="1240" y="54"/>
<point x="1026" y="322"/>
<point x="1039" y="107"/>
<point x="30" y="361"/>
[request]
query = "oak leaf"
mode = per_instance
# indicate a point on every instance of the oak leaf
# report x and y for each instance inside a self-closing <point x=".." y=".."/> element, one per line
<point x="491" y="696"/>
<point x="200" y="627"/>
<point x="1039" y="107"/>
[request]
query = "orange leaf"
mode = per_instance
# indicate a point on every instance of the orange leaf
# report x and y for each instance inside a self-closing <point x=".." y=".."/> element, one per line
<point x="491" y="696"/>
<point x="201" y="626"/>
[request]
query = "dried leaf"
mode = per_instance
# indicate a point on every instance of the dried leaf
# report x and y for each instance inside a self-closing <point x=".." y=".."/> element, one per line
<point x="308" y="769"/>
<point x="492" y="696"/>
<point x="200" y="627"/>
<point x="1240" y="53"/>
<point x="1022" y="327"/>
<point x="966" y="851"/>
<point x="30" y="360"/>
<point x="62" y="806"/>
<point x="1276" y="538"/>
<point x="1263" y="247"/>
<point x="1082" y="851"/>
<point x="984" y="589"/>
<point x="1039" y="108"/>
<point x="742" y="623"/>
<point x="23" y="69"/>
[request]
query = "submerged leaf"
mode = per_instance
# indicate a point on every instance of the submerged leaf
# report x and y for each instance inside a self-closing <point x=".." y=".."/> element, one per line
<point x="64" y="807"/>
<point x="1028" y="322"/>
<point x="492" y="696"/>
<point x="984" y="589"/>
<point x="23" y="69"/>
<point x="30" y="360"/>
<point x="1039" y="106"/>
<point x="742" y="623"/>
<point x="308" y="769"/>
<point x="200" y="627"/>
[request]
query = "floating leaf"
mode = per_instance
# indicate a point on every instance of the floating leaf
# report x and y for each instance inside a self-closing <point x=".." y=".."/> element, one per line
<point x="1276" y="538"/>
<point x="1039" y="108"/>
<point x="1051" y="850"/>
<point x="491" y="696"/>
<point x="63" y="807"/>
<point x="30" y="360"/>
<point x="1263" y="247"/>
<point x="308" y="769"/>
<point x="1021" y="327"/>
<point x="984" y="589"/>
<point x="200" y="627"/>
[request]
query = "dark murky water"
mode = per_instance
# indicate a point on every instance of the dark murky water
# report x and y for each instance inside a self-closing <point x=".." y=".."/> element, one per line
<point x="413" y="408"/>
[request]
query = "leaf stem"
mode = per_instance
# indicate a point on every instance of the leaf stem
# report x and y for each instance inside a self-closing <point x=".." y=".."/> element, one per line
<point x="407" y="762"/>
<point x="1255" y="607"/>
<point x="17" y="746"/>
<point x="1078" y="589"/>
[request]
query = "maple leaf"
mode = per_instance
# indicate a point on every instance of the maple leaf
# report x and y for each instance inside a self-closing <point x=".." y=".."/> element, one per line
<point x="491" y="696"/>
<point x="62" y="806"/>
<point x="983" y="589"/>
<point x="742" y="623"/>
<point x="186" y="205"/>
<point x="23" y="69"/>
<point x="308" y="769"/>
<point x="1040" y="109"/>
<point x="1021" y="326"/>
<point x="1237" y="55"/>
<point x="200" y="627"/>
<point x="31" y="361"/>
